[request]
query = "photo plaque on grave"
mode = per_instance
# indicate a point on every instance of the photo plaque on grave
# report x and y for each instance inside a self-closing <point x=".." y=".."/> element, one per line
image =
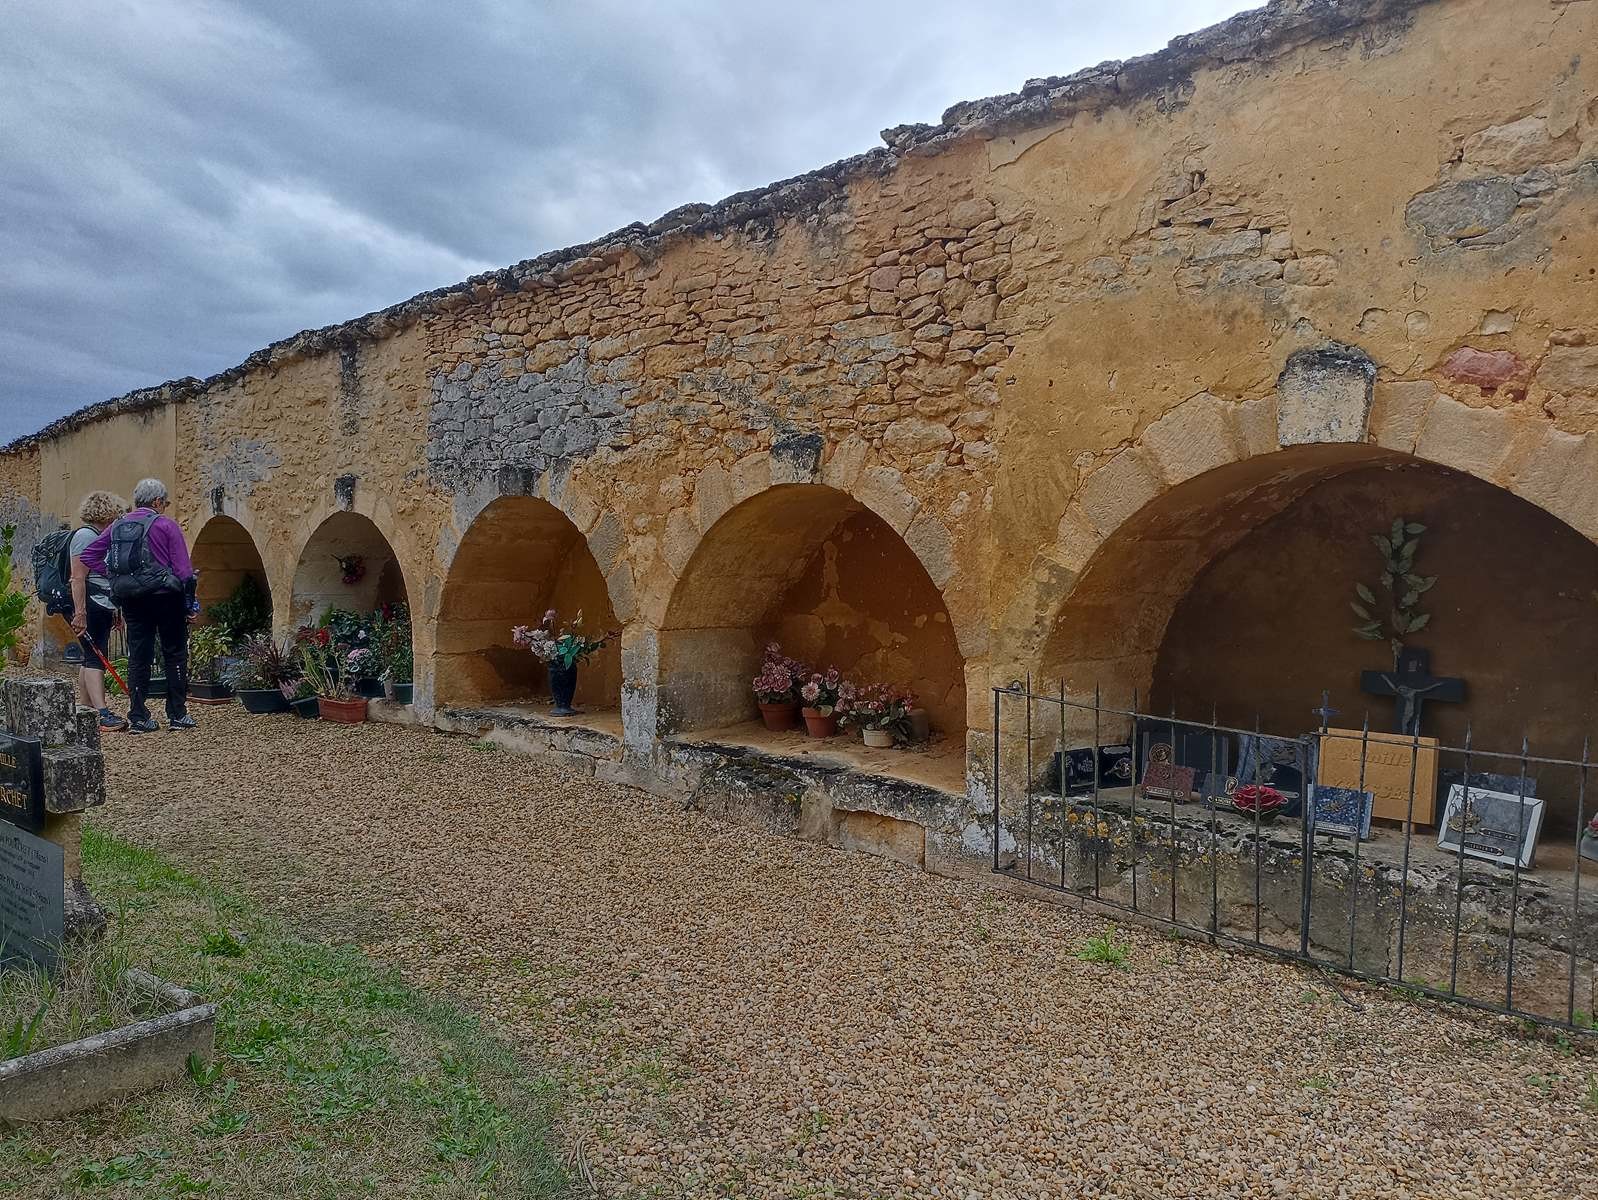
<point x="1167" y="781"/>
<point x="1342" y="812"/>
<point x="1389" y="758"/>
<point x="1500" y="827"/>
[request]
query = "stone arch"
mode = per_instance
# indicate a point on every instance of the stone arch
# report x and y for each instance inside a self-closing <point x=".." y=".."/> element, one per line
<point x="818" y="568"/>
<point x="317" y="584"/>
<point x="1330" y="412"/>
<point x="519" y="555"/>
<point x="224" y="555"/>
<point x="393" y="543"/>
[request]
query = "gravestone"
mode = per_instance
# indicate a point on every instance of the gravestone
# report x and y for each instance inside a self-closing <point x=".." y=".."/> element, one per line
<point x="51" y="771"/>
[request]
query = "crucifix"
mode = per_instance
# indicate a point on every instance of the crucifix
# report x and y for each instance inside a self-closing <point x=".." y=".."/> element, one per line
<point x="1411" y="685"/>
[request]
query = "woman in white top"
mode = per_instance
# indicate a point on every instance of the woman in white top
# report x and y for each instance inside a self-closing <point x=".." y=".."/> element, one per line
<point x="98" y="510"/>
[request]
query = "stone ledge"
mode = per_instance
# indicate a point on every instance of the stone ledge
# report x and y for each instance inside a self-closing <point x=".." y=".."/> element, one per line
<point x="63" y="1080"/>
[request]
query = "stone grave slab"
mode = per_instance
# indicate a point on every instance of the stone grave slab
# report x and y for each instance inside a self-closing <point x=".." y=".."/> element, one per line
<point x="1388" y="759"/>
<point x="32" y="897"/>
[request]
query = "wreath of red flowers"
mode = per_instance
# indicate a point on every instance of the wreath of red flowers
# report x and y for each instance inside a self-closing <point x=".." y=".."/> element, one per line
<point x="352" y="567"/>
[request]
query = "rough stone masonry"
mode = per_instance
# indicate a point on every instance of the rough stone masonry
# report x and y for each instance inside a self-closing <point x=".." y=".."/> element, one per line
<point x="977" y="404"/>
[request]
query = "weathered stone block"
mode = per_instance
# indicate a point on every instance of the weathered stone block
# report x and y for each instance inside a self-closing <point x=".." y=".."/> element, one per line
<point x="1117" y="490"/>
<point x="74" y="778"/>
<point x="1324" y="395"/>
<point x="1192" y="438"/>
<point x="1569" y="369"/>
<point x="1469" y="208"/>
<point x="41" y="708"/>
<point x="796" y="457"/>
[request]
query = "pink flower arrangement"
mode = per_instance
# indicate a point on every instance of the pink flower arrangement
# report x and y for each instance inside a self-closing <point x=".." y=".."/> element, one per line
<point x="779" y="678"/>
<point x="877" y="706"/>
<point x="566" y="644"/>
<point x="821" y="691"/>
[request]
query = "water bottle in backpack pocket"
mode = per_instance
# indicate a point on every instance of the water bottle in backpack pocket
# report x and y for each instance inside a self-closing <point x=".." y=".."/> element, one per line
<point x="129" y="565"/>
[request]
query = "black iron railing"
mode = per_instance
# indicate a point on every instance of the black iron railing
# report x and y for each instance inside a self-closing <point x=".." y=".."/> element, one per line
<point x="1464" y="914"/>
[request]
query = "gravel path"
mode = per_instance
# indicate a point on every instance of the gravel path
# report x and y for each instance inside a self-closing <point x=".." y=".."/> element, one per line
<point x="738" y="1014"/>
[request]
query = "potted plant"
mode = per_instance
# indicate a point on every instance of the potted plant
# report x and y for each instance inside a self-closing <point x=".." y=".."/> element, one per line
<point x="300" y="696"/>
<point x="819" y="695"/>
<point x="207" y="644"/>
<point x="777" y="689"/>
<point x="364" y="668"/>
<point x="880" y="712"/>
<point x="263" y="667"/>
<point x="1255" y="799"/>
<point x="324" y="661"/>
<point x="563" y="647"/>
<point x="1589" y="839"/>
<point x="391" y="633"/>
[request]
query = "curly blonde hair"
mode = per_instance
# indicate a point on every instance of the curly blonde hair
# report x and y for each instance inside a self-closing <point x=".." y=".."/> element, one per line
<point x="101" y="508"/>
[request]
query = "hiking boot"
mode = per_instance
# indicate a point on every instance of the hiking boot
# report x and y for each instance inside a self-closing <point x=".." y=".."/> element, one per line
<point x="146" y="726"/>
<point x="110" y="721"/>
<point x="183" y="722"/>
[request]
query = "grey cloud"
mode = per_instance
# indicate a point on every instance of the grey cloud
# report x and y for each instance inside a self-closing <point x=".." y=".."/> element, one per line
<point x="184" y="181"/>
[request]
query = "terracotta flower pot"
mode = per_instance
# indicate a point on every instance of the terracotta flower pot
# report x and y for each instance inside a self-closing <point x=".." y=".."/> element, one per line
<point x="820" y="725"/>
<point x="779" y="717"/>
<point x="344" y="712"/>
<point x="882" y="739"/>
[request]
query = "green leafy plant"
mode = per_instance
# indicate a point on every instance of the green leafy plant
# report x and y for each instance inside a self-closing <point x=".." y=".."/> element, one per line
<point x="207" y="643"/>
<point x="263" y="662"/>
<point x="1106" y="948"/>
<point x="1401" y="586"/>
<point x="245" y="613"/>
<point x="20" y="1037"/>
<point x="13" y="599"/>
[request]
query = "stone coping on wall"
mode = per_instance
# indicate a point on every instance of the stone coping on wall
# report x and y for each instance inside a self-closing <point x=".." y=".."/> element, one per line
<point x="1256" y="35"/>
<point x="57" y="1082"/>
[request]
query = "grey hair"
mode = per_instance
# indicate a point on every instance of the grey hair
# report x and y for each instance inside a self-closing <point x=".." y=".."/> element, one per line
<point x="147" y="491"/>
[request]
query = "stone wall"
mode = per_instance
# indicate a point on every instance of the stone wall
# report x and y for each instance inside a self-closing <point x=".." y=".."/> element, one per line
<point x="1068" y="345"/>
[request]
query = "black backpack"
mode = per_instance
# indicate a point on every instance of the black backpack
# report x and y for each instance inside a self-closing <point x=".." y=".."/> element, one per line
<point x="129" y="565"/>
<point x="52" y="570"/>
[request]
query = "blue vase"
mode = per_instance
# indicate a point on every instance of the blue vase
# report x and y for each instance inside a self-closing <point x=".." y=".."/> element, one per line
<point x="562" y="687"/>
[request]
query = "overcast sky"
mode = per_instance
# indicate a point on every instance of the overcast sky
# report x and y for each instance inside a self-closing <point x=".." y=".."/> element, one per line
<point x="184" y="181"/>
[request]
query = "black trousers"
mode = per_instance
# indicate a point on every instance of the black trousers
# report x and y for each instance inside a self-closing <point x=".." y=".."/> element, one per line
<point x="164" y="616"/>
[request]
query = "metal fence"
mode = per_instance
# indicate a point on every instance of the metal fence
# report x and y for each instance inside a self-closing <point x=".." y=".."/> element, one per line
<point x="1153" y="814"/>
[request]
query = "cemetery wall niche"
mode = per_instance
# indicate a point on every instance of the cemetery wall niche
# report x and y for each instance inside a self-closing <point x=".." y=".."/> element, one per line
<point x="319" y="582"/>
<point x="1266" y="626"/>
<point x="224" y="554"/>
<point x="809" y="567"/>
<point x="521" y="557"/>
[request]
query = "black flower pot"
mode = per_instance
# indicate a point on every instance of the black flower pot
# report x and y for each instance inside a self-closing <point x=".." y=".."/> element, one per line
<point x="307" y="707"/>
<point x="262" y="700"/>
<point x="210" y="691"/>
<point x="562" y="687"/>
<point x="402" y="693"/>
<point x="369" y="686"/>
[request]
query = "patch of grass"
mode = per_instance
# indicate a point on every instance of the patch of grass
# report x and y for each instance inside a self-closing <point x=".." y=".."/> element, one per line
<point x="39" y="1010"/>
<point x="1105" y="948"/>
<point x="1590" y="1100"/>
<point x="1319" y="1083"/>
<point x="332" y="1077"/>
<point x="486" y="746"/>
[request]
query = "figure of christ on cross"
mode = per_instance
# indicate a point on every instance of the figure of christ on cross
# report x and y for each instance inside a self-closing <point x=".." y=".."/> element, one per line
<point x="1411" y="685"/>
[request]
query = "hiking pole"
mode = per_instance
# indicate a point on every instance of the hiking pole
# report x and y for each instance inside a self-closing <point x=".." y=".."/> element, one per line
<point x="83" y="638"/>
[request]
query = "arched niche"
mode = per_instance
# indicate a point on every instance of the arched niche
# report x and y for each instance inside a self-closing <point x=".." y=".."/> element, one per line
<point x="224" y="556"/>
<point x="521" y="557"/>
<point x="1230" y="595"/>
<point x="318" y="580"/>
<point x="814" y="569"/>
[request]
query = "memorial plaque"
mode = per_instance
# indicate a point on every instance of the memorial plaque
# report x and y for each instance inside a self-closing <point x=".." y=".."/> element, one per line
<point x="32" y="897"/>
<point x="1167" y="781"/>
<point x="22" y="781"/>
<point x="1388" y="760"/>
<point x="1344" y="812"/>
<point x="1497" y="826"/>
<point x="1114" y="762"/>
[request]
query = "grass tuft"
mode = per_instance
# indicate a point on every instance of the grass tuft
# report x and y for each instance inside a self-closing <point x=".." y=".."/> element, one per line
<point x="1106" y="948"/>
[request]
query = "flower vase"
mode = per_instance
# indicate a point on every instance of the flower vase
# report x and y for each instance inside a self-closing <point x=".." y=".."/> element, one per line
<point x="779" y="717"/>
<point x="562" y="688"/>
<point x="882" y="739"/>
<point x="820" y="724"/>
